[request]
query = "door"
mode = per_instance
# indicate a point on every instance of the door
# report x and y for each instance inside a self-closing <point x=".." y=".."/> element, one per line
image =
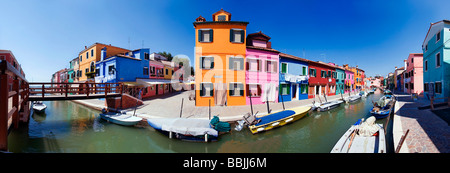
<point x="294" y="91"/>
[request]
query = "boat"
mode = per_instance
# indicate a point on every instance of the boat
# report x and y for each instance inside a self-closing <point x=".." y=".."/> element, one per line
<point x="362" y="137"/>
<point x="382" y="108"/>
<point x="120" y="118"/>
<point x="39" y="107"/>
<point x="352" y="99"/>
<point x="387" y="92"/>
<point x="188" y="129"/>
<point x="276" y="119"/>
<point x="327" y="105"/>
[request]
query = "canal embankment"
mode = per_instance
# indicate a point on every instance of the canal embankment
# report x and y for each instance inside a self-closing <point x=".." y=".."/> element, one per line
<point x="427" y="132"/>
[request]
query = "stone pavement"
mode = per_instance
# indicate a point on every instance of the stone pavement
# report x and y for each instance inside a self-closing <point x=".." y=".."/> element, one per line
<point x="427" y="132"/>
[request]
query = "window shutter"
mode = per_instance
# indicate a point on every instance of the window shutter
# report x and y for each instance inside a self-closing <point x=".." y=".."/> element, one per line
<point x="241" y="89"/>
<point x="212" y="62"/>
<point x="231" y="35"/>
<point x="200" y="35"/>
<point x="231" y="63"/>
<point x="202" y="65"/>
<point x="202" y="90"/>
<point x="211" y="35"/>
<point x="211" y="92"/>
<point x="242" y="36"/>
<point x="247" y="66"/>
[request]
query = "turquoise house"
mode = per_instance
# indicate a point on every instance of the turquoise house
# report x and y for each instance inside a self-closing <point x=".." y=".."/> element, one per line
<point x="340" y="78"/>
<point x="436" y="60"/>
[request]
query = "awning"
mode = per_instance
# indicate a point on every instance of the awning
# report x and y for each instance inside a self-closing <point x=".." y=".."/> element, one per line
<point x="147" y="82"/>
<point x="133" y="84"/>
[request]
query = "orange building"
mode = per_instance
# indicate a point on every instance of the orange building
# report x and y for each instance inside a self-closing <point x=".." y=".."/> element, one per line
<point x="90" y="55"/>
<point x="220" y="50"/>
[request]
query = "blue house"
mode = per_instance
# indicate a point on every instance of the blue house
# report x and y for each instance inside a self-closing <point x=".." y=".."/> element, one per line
<point x="122" y="67"/>
<point x="340" y="80"/>
<point x="436" y="60"/>
<point x="293" y="78"/>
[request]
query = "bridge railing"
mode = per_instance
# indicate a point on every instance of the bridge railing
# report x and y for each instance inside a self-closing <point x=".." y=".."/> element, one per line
<point x="68" y="89"/>
<point x="13" y="100"/>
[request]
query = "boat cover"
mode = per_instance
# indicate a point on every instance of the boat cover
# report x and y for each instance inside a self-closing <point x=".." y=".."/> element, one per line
<point x="185" y="126"/>
<point x="275" y="116"/>
<point x="368" y="128"/>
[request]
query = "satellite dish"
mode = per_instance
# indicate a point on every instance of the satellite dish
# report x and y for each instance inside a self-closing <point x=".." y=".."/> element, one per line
<point x="329" y="79"/>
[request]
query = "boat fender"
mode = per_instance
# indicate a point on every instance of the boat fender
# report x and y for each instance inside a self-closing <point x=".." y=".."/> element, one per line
<point x="276" y="123"/>
<point x="290" y="119"/>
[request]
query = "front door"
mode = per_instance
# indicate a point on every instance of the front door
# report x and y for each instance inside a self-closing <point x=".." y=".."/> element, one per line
<point x="294" y="91"/>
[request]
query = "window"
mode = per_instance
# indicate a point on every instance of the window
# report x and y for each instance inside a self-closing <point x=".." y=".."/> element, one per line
<point x="146" y="56"/>
<point x="438" y="36"/>
<point x="411" y="85"/>
<point x="312" y="72"/>
<point x="426" y="47"/>
<point x="329" y="73"/>
<point x="285" y="89"/>
<point x="254" y="90"/>
<point x="426" y="65"/>
<point x="237" y="35"/>
<point x="271" y="66"/>
<point x="221" y="17"/>
<point x="207" y="62"/>
<point x="253" y="65"/>
<point x="205" y="35"/>
<point x="92" y="66"/>
<point x="304" y="70"/>
<point x="167" y="71"/>
<point x="97" y="72"/>
<point x="323" y="74"/>
<point x="152" y="71"/>
<point x="438" y="59"/>
<point x="236" y="63"/>
<point x="284" y="67"/>
<point x="425" y="87"/>
<point x="304" y="88"/>
<point x="81" y="58"/>
<point x="111" y="69"/>
<point x="92" y="52"/>
<point x="206" y="90"/>
<point x="145" y="70"/>
<point x="438" y="87"/>
<point x="236" y="89"/>
<point x="412" y="60"/>
<point x="87" y="55"/>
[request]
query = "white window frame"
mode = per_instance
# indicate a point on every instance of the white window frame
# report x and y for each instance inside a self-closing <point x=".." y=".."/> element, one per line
<point x="202" y="62"/>
<point x="435" y="59"/>
<point x="275" y="64"/>
<point x="254" y="84"/>
<point x="234" y="67"/>
<point x="243" y="88"/>
<point x="212" y="88"/>
<point x="254" y="59"/>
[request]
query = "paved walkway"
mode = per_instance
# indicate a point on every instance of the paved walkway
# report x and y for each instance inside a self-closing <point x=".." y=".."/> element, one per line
<point x="427" y="132"/>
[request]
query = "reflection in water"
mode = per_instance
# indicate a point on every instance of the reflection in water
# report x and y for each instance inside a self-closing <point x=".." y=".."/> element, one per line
<point x="69" y="127"/>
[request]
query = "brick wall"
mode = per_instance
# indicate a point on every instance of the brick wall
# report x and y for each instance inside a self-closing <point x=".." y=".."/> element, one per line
<point x="127" y="102"/>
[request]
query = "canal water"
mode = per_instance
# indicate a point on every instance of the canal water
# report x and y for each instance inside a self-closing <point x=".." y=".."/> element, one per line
<point x="67" y="127"/>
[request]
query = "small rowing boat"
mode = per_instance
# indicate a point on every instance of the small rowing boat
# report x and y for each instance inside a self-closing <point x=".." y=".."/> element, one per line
<point x="189" y="129"/>
<point x="277" y="119"/>
<point x="327" y="105"/>
<point x="367" y="137"/>
<point x="352" y="99"/>
<point x="39" y="107"/>
<point x="382" y="108"/>
<point x="121" y="119"/>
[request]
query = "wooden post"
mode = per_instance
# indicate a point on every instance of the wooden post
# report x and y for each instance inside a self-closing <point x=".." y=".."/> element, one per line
<point x="43" y="90"/>
<point x="67" y="89"/>
<point x="16" y="103"/>
<point x="402" y="139"/>
<point x="87" y="90"/>
<point x="3" y="112"/>
<point x="106" y="90"/>
<point x="431" y="102"/>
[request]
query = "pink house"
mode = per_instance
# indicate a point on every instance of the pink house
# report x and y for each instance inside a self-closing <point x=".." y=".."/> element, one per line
<point x="349" y="79"/>
<point x="261" y="67"/>
<point x="414" y="74"/>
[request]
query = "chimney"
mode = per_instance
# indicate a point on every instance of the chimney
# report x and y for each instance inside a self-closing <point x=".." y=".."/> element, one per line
<point x="395" y="67"/>
<point x="269" y="45"/>
<point x="103" y="54"/>
<point x="85" y="47"/>
<point x="405" y="63"/>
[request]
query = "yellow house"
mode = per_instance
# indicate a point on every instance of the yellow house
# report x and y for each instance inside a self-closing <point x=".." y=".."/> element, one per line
<point x="220" y="49"/>
<point x="90" y="55"/>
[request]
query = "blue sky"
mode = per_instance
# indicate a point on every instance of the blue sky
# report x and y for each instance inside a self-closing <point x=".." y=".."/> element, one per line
<point x="376" y="35"/>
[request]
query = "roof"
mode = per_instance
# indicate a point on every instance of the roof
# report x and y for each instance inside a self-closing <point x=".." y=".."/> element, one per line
<point x="293" y="57"/>
<point x="429" y="29"/>
<point x="96" y="43"/>
<point x="222" y="11"/>
<point x="221" y="22"/>
<point x="258" y="36"/>
<point x="263" y="48"/>
<point x="322" y="63"/>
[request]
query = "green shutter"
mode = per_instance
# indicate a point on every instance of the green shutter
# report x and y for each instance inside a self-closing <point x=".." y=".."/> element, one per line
<point x="211" y="35"/>
<point x="283" y="67"/>
<point x="242" y="36"/>
<point x="304" y="70"/>
<point x="231" y="35"/>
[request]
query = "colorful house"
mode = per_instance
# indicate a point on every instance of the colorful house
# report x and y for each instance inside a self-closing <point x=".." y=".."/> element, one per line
<point x="340" y="79"/>
<point x="414" y="74"/>
<point x="220" y="49"/>
<point x="261" y="67"/>
<point x="397" y="78"/>
<point x="8" y="56"/>
<point x="321" y="79"/>
<point x="436" y="60"/>
<point x="89" y="55"/>
<point x="293" y="78"/>
<point x="122" y="67"/>
<point x="74" y="66"/>
<point x="349" y="79"/>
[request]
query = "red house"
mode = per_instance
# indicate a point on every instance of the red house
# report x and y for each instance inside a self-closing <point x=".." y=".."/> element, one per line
<point x="322" y="79"/>
<point x="8" y="56"/>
